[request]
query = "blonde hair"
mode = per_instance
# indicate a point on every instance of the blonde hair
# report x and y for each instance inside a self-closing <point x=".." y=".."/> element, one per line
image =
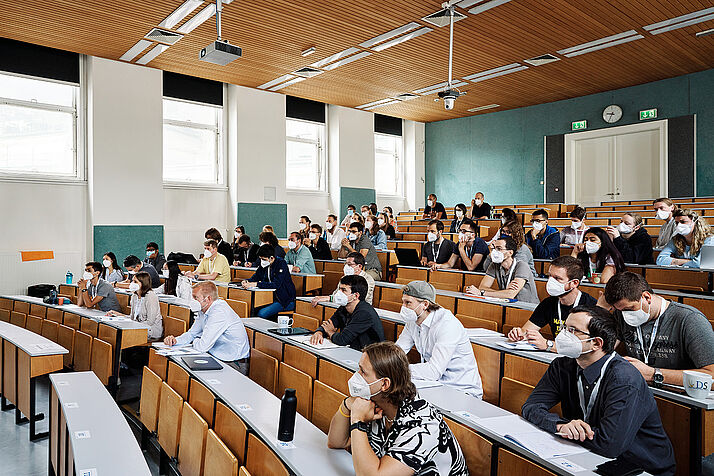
<point x="701" y="232"/>
<point x="666" y="201"/>
<point x="636" y="217"/>
<point x="208" y="289"/>
<point x="268" y="228"/>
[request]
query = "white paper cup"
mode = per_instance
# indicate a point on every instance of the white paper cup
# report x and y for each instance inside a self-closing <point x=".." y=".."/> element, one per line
<point x="697" y="384"/>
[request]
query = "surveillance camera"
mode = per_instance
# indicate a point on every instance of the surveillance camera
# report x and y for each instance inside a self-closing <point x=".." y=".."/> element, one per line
<point x="449" y="96"/>
<point x="449" y="103"/>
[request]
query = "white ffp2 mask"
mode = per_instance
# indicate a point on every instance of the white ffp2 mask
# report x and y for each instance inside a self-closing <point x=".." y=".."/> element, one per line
<point x="359" y="387"/>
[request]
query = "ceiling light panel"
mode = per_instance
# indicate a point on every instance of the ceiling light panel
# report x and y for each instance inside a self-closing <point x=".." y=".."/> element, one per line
<point x="374" y="103"/>
<point x="163" y="36"/>
<point x="601" y="41"/>
<point x="279" y="80"/>
<point x="705" y="33"/>
<point x="437" y="87"/>
<point x="487" y="6"/>
<point x="402" y="39"/>
<point x="491" y="71"/>
<point x="468" y="3"/>
<point x="390" y="34"/>
<point x="335" y="57"/>
<point x="500" y="73"/>
<point x="681" y="21"/>
<point x="153" y="53"/>
<point x="131" y="53"/>
<point x="395" y="101"/>
<point x="349" y="59"/>
<point x="198" y="19"/>
<point x="483" y="108"/>
<point x="286" y="84"/>
<point x="180" y="13"/>
<point x="603" y="46"/>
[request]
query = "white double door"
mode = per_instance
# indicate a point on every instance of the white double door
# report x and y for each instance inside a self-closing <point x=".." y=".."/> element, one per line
<point x="616" y="164"/>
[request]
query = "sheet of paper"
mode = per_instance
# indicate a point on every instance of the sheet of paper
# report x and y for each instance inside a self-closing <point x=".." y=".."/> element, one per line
<point x="326" y="344"/>
<point x="517" y="345"/>
<point x="545" y="445"/>
<point x="508" y="424"/>
<point x="480" y="332"/>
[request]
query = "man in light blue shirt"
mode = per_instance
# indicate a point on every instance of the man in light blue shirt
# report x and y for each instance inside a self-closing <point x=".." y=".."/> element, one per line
<point x="299" y="256"/>
<point x="217" y="329"/>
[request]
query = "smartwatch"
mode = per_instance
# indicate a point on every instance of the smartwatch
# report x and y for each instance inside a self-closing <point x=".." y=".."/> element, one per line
<point x="657" y="378"/>
<point x="360" y="425"/>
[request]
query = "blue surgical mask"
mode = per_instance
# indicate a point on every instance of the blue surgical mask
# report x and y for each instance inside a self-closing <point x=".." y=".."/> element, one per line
<point x="149" y="253"/>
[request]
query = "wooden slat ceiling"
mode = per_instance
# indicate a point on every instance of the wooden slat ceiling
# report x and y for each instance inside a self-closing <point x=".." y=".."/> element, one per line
<point x="273" y="33"/>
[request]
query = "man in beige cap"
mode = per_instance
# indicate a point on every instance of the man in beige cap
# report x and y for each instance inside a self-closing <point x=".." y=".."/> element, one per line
<point x="442" y="342"/>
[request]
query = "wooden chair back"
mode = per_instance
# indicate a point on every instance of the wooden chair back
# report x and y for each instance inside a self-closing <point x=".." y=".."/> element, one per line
<point x="54" y="315"/>
<point x="231" y="430"/>
<point x="149" y="400"/>
<point x="476" y="449"/>
<point x="202" y="400"/>
<point x="261" y="459"/>
<point x="71" y="320"/>
<point x="21" y="306"/>
<point x="18" y="318"/>
<point x="49" y="330"/>
<point x="179" y="312"/>
<point x="325" y="402"/>
<point x="169" y="425"/>
<point x="158" y="364"/>
<point x="291" y="377"/>
<point x="219" y="459"/>
<point x="108" y="334"/>
<point x="65" y="338"/>
<point x="178" y="379"/>
<point x="269" y="345"/>
<point x="334" y="376"/>
<point x="102" y="357"/>
<point x="5" y="315"/>
<point x="264" y="370"/>
<point x="240" y="307"/>
<point x="307" y="322"/>
<point x="192" y="442"/>
<point x="82" y="351"/>
<point x="89" y="326"/>
<point x="34" y="324"/>
<point x="173" y="326"/>
<point x="38" y="310"/>
<point x="300" y="359"/>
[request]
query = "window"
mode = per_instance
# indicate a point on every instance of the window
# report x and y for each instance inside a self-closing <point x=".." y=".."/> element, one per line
<point x="38" y="127"/>
<point x="388" y="164"/>
<point x="192" y="145"/>
<point x="304" y="155"/>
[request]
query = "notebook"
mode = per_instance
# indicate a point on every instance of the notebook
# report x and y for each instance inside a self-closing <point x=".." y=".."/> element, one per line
<point x="203" y="362"/>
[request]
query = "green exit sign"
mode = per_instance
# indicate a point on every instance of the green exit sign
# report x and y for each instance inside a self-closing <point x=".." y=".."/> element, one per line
<point x="580" y="125"/>
<point x="648" y="114"/>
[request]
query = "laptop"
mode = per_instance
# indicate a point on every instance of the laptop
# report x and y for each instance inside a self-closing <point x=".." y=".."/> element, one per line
<point x="290" y="331"/>
<point x="407" y="256"/>
<point x="706" y="258"/>
<point x="202" y="362"/>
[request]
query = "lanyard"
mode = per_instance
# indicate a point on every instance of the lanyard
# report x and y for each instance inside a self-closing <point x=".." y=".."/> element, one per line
<point x="582" y="235"/>
<point x="647" y="353"/>
<point x="577" y="301"/>
<point x="436" y="252"/>
<point x="593" y="396"/>
<point x="510" y="273"/>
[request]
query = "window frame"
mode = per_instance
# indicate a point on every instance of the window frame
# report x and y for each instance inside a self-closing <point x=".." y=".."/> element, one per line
<point x="78" y="112"/>
<point x="321" y="171"/>
<point x="399" y="166"/>
<point x="220" y="176"/>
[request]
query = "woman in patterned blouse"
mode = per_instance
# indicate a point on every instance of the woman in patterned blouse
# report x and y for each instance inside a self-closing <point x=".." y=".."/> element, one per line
<point x="393" y="432"/>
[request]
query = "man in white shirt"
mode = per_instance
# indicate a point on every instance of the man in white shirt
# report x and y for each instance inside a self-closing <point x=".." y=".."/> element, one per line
<point x="333" y="234"/>
<point x="442" y="342"/>
<point x="217" y="329"/>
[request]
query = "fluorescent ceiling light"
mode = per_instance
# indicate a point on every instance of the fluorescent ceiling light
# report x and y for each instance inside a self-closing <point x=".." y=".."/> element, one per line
<point x="491" y="71"/>
<point x="590" y="44"/>
<point x="603" y="46"/>
<point x="483" y="108"/>
<point x="390" y="34"/>
<point x="279" y="80"/>
<point x="307" y="52"/>
<point x="180" y="13"/>
<point x="487" y="6"/>
<point x="705" y="33"/>
<point x="286" y="84"/>
<point x="349" y="59"/>
<point x="681" y="21"/>
<point x="395" y="101"/>
<point x="437" y="87"/>
<point x="131" y="53"/>
<point x="468" y="3"/>
<point x="198" y="19"/>
<point x="374" y="103"/>
<point x="153" y="53"/>
<point x="335" y="57"/>
<point x="500" y="73"/>
<point x="429" y="88"/>
<point x="402" y="39"/>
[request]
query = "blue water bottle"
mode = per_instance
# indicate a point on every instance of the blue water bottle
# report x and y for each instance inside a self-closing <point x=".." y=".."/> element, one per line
<point x="68" y="278"/>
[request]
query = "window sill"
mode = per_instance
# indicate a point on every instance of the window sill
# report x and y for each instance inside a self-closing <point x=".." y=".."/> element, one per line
<point x="42" y="179"/>
<point x="390" y="197"/>
<point x="314" y="193"/>
<point x="195" y="186"/>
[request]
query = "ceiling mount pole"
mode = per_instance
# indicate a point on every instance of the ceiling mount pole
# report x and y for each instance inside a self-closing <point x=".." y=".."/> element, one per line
<point x="219" y="8"/>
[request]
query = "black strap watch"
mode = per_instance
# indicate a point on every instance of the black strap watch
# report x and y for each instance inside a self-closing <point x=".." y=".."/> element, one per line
<point x="360" y="425"/>
<point x="657" y="378"/>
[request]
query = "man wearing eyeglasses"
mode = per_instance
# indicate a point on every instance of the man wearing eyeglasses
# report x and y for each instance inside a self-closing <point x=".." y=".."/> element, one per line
<point x="544" y="240"/>
<point x="472" y="249"/>
<point x="606" y="404"/>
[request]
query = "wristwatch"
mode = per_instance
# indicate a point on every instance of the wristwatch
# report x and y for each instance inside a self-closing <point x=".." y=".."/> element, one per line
<point x="549" y="345"/>
<point x="482" y="292"/>
<point x="657" y="378"/>
<point x="360" y="425"/>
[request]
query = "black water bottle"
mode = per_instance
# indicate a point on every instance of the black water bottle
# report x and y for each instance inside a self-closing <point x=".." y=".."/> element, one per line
<point x="288" y="407"/>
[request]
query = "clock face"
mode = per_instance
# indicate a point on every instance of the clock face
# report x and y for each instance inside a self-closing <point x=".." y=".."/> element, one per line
<point x="612" y="114"/>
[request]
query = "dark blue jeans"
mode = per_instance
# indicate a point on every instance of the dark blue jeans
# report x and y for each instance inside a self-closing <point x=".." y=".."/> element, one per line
<point x="271" y="310"/>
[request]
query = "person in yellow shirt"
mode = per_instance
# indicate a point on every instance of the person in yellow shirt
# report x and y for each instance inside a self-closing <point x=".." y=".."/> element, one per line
<point x="213" y="267"/>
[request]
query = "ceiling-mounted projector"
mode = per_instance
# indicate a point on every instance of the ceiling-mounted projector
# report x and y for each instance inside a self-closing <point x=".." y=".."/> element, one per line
<point x="220" y="51"/>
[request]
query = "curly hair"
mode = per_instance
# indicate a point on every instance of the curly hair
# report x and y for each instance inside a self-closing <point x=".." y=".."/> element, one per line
<point x="515" y="231"/>
<point x="702" y="231"/>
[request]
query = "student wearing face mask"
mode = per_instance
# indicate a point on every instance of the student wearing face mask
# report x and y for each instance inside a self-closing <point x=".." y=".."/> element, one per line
<point x="175" y="284"/>
<point x="459" y="217"/>
<point x="514" y="229"/>
<point x="543" y="239"/>
<point x="319" y="248"/>
<point x="111" y="272"/>
<point x="513" y="277"/>
<point x="213" y="267"/>
<point x="600" y="258"/>
<point x="565" y="273"/>
<point x="390" y="216"/>
<point x="351" y="212"/>
<point x="217" y="329"/>
<point x="298" y="255"/>
<point x="438" y="252"/>
<point x="153" y="257"/>
<point x="354" y="266"/>
<point x="472" y="249"/>
<point x="665" y="209"/>
<point x="333" y="234"/>
<point x="373" y="208"/>
<point x="246" y="252"/>
<point x="606" y="404"/>
<point x="145" y="306"/>
<point x="433" y="209"/>
<point x="385" y="416"/>
<point x="273" y="274"/>
<point x="480" y="210"/>
<point x="269" y="238"/>
<point x="632" y="239"/>
<point x="355" y="323"/>
<point x="365" y="211"/>
<point x="224" y="248"/>
<point x="376" y="234"/>
<point x="237" y="233"/>
<point x="691" y="233"/>
<point x="94" y="292"/>
<point x="573" y="234"/>
<point x="304" y="226"/>
<point x="385" y="225"/>
<point x="662" y="338"/>
<point x="133" y="265"/>
<point x="440" y="339"/>
<point x="358" y="241"/>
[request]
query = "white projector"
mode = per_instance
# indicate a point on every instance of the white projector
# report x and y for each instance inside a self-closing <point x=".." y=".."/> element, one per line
<point x="220" y="52"/>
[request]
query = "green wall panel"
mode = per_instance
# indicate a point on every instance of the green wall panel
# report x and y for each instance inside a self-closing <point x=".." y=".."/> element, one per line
<point x="356" y="197"/>
<point x="125" y="240"/>
<point x="254" y="215"/>
<point x="501" y="153"/>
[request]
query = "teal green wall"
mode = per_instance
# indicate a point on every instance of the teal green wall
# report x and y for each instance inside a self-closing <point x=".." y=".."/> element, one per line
<point x="125" y="240"/>
<point x="356" y="197"/>
<point x="501" y="153"/>
<point x="254" y="215"/>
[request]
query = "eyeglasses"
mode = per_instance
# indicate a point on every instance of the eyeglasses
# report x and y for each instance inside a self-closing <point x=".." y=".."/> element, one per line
<point x="465" y="231"/>
<point x="539" y="220"/>
<point x="573" y="330"/>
